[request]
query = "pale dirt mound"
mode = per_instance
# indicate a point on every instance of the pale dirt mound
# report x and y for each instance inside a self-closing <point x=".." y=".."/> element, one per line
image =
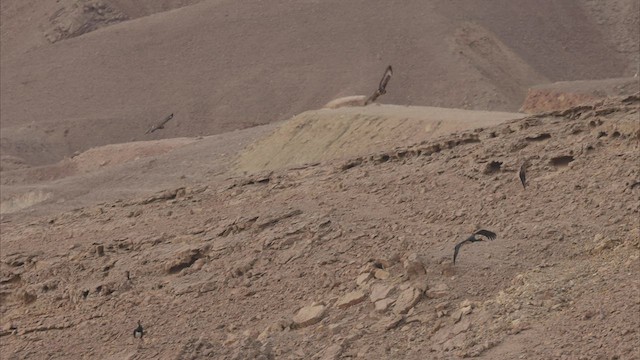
<point x="355" y="100"/>
<point x="115" y="171"/>
<point x="564" y="94"/>
<point x="22" y="201"/>
<point x="25" y="187"/>
<point x="116" y="154"/>
<point x="334" y="261"/>
<point x="322" y="135"/>
<point x="91" y="160"/>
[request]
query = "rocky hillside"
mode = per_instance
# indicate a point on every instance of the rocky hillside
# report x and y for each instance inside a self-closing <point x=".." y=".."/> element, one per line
<point x="353" y="258"/>
<point x="564" y="94"/>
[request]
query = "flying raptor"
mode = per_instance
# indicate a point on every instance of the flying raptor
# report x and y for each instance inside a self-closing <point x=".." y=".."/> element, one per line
<point x="382" y="87"/>
<point x="486" y="233"/>
<point x="523" y="174"/>
<point x="160" y="125"/>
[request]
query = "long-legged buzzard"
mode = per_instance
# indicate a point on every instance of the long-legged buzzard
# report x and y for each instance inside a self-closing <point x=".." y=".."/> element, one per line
<point x="382" y="87"/>
<point x="160" y="125"/>
<point x="486" y="233"/>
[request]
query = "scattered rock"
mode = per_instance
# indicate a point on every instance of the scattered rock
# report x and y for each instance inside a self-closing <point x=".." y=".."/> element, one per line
<point x="383" y="305"/>
<point x="198" y="264"/>
<point x="438" y="291"/>
<point x="415" y="266"/>
<point x="380" y="291"/>
<point x="420" y="283"/>
<point x="601" y="243"/>
<point x="518" y="325"/>
<point x="466" y="302"/>
<point x="389" y="322"/>
<point x="381" y="274"/>
<point x="283" y="324"/>
<point x="442" y="306"/>
<point x="309" y="315"/>
<point x="461" y="327"/>
<point x="492" y="167"/>
<point x="456" y="316"/>
<point x="20" y="259"/>
<point x="183" y="260"/>
<point x="421" y="318"/>
<point x="250" y="348"/>
<point x="333" y="352"/>
<point x="466" y="307"/>
<point x="134" y="213"/>
<point x="380" y="263"/>
<point x="456" y="342"/>
<point x="243" y="267"/>
<point x="350" y="299"/>
<point x="26" y="296"/>
<point x="407" y="299"/>
<point x="362" y="279"/>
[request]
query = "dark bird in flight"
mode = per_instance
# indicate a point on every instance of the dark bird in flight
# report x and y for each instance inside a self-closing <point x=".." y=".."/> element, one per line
<point x="139" y="331"/>
<point x="382" y="88"/>
<point x="486" y="233"/>
<point x="523" y="174"/>
<point x="160" y="125"/>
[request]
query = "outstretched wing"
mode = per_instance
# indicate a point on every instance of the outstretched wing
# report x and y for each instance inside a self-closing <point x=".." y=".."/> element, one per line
<point x="523" y="174"/>
<point x="457" y="248"/>
<point x="166" y="120"/>
<point x="160" y="125"/>
<point x="385" y="79"/>
<point x="489" y="234"/>
<point x="372" y="98"/>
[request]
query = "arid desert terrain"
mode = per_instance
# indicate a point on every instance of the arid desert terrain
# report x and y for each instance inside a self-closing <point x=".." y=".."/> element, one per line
<point x="275" y="217"/>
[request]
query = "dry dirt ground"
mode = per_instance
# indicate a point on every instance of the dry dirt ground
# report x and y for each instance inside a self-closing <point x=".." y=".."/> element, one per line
<point x="348" y="257"/>
<point x="232" y="234"/>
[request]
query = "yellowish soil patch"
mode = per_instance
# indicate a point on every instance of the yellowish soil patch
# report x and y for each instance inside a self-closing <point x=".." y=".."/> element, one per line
<point x="23" y="201"/>
<point x="326" y="134"/>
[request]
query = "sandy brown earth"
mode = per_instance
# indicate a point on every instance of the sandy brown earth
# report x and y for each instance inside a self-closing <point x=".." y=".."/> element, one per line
<point x="233" y="233"/>
<point x="72" y="67"/>
<point x="351" y="258"/>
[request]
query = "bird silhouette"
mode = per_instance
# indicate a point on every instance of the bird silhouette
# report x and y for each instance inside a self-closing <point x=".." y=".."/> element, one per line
<point x="139" y="331"/>
<point x="523" y="174"/>
<point x="382" y="87"/>
<point x="473" y="238"/>
<point x="160" y="125"/>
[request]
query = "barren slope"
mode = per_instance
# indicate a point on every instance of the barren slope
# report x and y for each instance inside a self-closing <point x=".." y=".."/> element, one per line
<point x="288" y="265"/>
<point x="140" y="168"/>
<point x="224" y="65"/>
<point x="560" y="95"/>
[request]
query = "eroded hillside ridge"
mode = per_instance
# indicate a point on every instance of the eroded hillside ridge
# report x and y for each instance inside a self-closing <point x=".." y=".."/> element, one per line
<point x="172" y="56"/>
<point x="562" y="95"/>
<point x="353" y="259"/>
<point x="73" y="18"/>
